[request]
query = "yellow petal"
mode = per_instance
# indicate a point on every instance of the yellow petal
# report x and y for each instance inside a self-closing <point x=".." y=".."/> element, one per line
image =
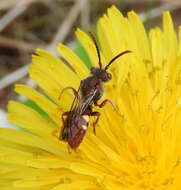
<point x="140" y="34"/>
<point x="73" y="60"/>
<point x="29" y="119"/>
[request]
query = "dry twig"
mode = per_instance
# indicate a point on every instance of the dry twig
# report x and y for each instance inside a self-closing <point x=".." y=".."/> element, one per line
<point x="4" y="122"/>
<point x="19" y="44"/>
<point x="13" y="13"/>
<point x="16" y="75"/>
<point x="156" y="12"/>
<point x="6" y="4"/>
<point x="85" y="15"/>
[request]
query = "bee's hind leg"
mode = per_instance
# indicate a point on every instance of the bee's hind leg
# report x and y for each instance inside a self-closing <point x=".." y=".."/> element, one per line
<point x="97" y="115"/>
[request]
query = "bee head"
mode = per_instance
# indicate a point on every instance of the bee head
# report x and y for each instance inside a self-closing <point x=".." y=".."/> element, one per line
<point x="101" y="74"/>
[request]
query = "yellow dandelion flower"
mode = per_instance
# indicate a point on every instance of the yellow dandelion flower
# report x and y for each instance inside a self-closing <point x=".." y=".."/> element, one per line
<point x="138" y="150"/>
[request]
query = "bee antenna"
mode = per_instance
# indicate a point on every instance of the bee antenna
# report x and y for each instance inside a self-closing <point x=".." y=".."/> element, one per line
<point x="97" y="48"/>
<point x="117" y="56"/>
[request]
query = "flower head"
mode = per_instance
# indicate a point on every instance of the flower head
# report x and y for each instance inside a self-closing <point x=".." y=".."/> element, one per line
<point x="136" y="149"/>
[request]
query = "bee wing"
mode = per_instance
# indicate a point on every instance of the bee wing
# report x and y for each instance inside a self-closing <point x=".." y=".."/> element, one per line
<point x="70" y="121"/>
<point x="70" y="126"/>
<point x="76" y="100"/>
<point x="87" y="101"/>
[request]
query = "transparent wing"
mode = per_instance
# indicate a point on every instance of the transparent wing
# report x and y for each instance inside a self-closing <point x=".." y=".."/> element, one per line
<point x="87" y="101"/>
<point x="76" y="101"/>
<point x="70" y="122"/>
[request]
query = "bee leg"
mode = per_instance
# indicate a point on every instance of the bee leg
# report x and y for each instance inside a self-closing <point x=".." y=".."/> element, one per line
<point x="97" y="114"/>
<point x="66" y="88"/>
<point x="69" y="149"/>
<point x="62" y="135"/>
<point x="102" y="104"/>
<point x="64" y="114"/>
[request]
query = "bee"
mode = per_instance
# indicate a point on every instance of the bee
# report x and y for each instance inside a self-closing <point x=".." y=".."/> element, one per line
<point x="91" y="89"/>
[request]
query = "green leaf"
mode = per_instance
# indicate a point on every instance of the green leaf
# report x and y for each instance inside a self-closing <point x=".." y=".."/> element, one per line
<point x="34" y="106"/>
<point x="80" y="51"/>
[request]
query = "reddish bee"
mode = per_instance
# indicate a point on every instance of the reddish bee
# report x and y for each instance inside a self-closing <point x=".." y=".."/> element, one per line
<point x="76" y="120"/>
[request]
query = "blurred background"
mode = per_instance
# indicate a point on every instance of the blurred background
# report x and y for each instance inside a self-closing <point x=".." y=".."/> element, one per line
<point x="29" y="24"/>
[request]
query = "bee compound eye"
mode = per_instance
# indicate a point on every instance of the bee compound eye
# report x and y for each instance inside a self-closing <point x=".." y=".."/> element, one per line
<point x="93" y="69"/>
<point x="109" y="76"/>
